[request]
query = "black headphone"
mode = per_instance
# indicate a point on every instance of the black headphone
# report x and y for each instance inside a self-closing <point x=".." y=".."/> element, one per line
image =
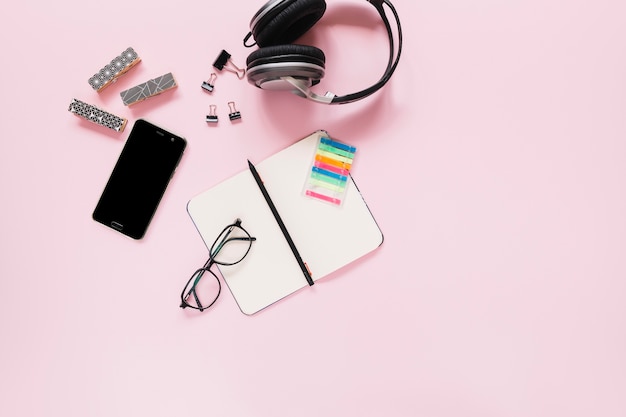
<point x="280" y="65"/>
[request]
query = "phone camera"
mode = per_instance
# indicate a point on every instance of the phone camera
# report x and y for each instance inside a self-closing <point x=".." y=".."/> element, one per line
<point x="172" y="140"/>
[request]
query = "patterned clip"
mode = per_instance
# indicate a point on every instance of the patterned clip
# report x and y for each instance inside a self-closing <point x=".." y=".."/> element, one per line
<point x="118" y="66"/>
<point x="148" y="89"/>
<point x="97" y="116"/>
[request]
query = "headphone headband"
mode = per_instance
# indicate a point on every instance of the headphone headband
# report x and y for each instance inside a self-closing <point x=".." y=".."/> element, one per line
<point x="273" y="8"/>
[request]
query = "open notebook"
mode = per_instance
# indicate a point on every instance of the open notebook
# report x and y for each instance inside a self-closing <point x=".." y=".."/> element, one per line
<point x="326" y="236"/>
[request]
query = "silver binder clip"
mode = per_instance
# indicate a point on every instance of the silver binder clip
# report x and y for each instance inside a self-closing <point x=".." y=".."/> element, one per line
<point x="208" y="85"/>
<point x="223" y="61"/>
<point x="212" y="116"/>
<point x="234" y="113"/>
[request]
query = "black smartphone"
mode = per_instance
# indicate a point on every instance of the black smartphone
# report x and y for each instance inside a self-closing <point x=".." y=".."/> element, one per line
<point x="139" y="179"/>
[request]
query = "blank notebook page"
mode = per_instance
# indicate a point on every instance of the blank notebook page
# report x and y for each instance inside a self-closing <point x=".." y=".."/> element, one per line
<point x="327" y="236"/>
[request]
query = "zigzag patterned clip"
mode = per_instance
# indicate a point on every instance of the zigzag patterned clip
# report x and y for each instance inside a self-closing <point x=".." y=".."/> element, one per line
<point x="148" y="89"/>
<point x="118" y="66"/>
<point x="97" y="116"/>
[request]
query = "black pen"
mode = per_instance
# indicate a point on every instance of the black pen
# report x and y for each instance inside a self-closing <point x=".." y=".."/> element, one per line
<point x="270" y="203"/>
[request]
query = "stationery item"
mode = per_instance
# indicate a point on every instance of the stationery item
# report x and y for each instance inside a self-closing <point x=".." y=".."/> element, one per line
<point x="329" y="172"/>
<point x="148" y="89"/>
<point x="283" y="228"/>
<point x="234" y="113"/>
<point x="223" y="61"/>
<point x="212" y="116"/>
<point x="268" y="195"/>
<point x="110" y="72"/>
<point x="209" y="85"/>
<point x="97" y="116"/>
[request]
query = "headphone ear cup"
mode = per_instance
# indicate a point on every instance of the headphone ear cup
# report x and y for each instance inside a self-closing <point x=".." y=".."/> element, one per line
<point x="290" y="52"/>
<point x="266" y="66"/>
<point x="288" y="23"/>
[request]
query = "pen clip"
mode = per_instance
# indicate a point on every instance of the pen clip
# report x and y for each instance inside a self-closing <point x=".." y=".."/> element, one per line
<point x="308" y="270"/>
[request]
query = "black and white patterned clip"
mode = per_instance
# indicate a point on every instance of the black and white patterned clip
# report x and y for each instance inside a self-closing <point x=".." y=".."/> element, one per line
<point x="97" y="116"/>
<point x="148" y="89"/>
<point x="118" y="66"/>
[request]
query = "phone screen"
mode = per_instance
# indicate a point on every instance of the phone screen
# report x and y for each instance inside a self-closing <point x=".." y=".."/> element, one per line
<point x="139" y="179"/>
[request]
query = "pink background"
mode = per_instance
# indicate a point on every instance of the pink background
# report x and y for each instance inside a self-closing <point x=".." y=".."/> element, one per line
<point x="494" y="162"/>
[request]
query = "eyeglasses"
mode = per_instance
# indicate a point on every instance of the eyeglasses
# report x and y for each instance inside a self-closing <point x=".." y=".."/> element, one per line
<point x="230" y="247"/>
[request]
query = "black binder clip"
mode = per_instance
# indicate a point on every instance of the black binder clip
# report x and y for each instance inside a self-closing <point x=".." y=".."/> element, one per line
<point x="234" y="113"/>
<point x="208" y="85"/>
<point x="223" y="61"/>
<point x="212" y="116"/>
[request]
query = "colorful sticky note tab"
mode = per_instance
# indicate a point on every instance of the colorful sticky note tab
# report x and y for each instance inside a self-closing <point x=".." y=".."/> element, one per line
<point x="330" y="170"/>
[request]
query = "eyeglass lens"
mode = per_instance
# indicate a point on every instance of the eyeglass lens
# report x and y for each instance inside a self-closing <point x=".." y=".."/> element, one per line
<point x="230" y="247"/>
<point x="202" y="290"/>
